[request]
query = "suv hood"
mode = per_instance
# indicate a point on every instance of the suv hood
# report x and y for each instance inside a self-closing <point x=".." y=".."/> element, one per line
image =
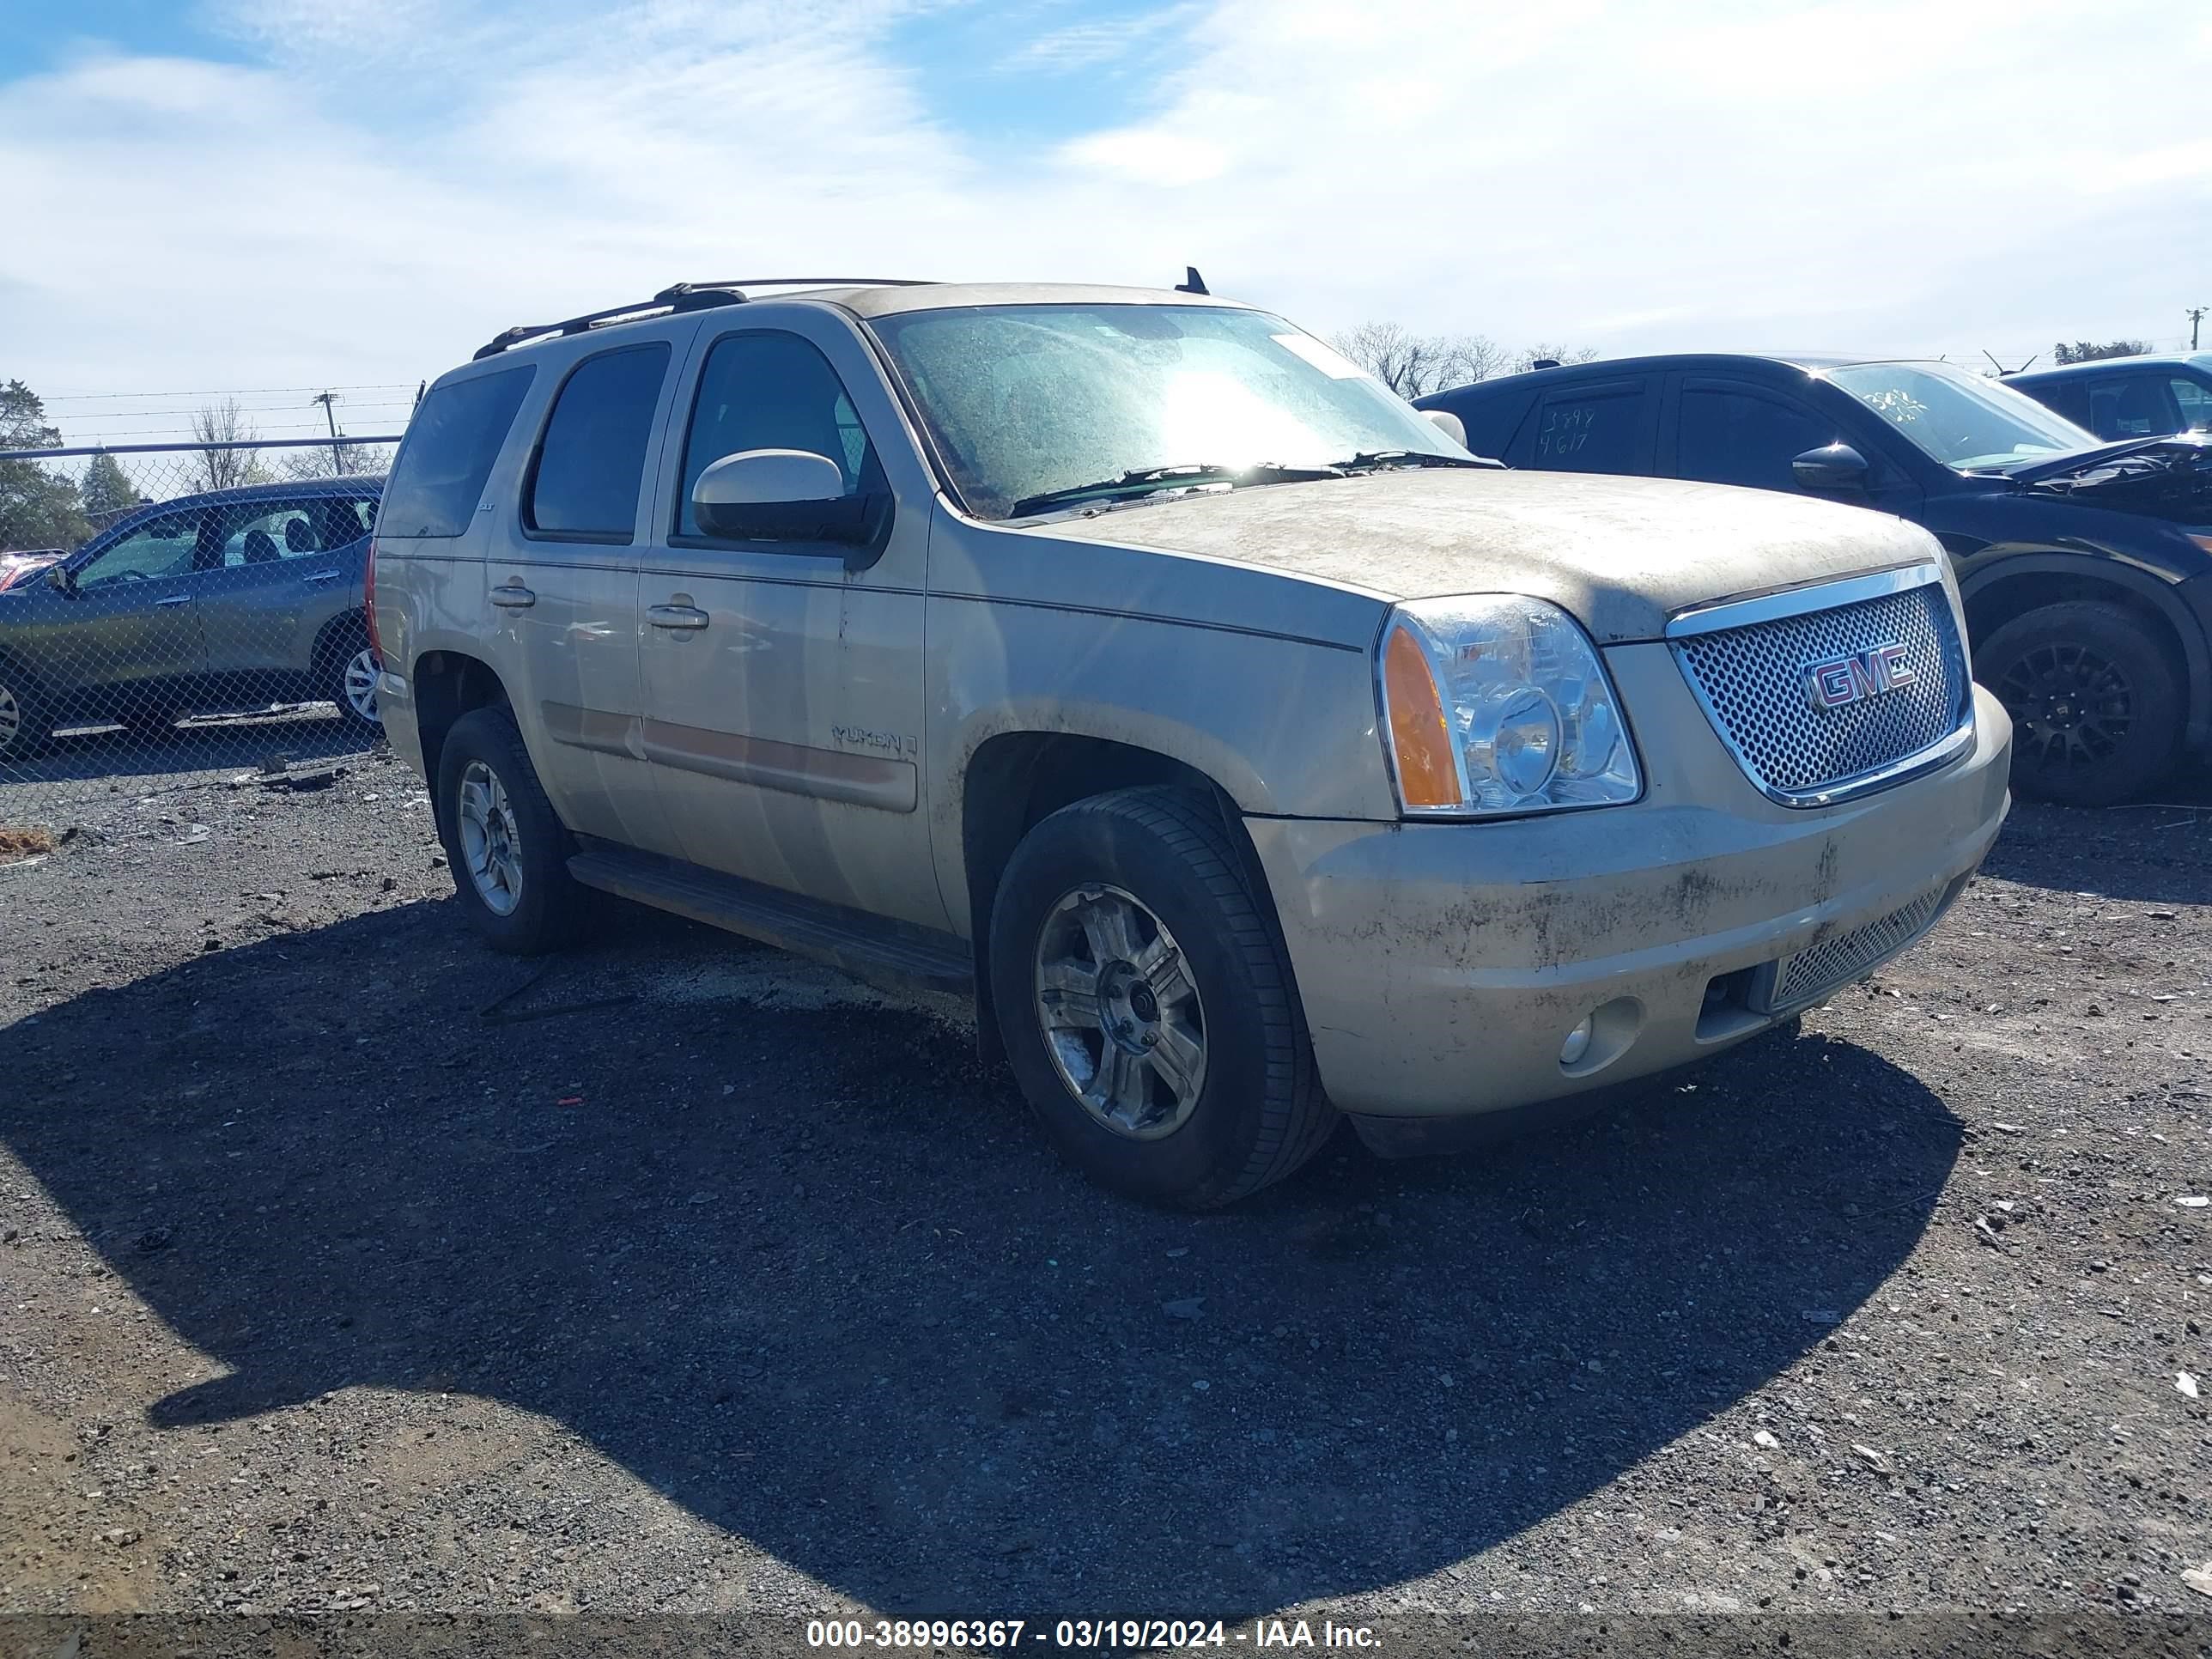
<point x="2167" y="477"/>
<point x="1620" y="554"/>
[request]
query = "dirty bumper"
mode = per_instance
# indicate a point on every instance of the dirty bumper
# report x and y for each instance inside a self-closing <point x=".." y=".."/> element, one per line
<point x="1448" y="970"/>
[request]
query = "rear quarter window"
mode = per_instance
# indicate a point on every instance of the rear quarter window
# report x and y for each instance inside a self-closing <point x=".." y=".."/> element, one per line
<point x="448" y="452"/>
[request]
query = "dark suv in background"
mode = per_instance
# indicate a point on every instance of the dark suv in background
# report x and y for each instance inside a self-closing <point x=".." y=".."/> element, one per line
<point x="2086" y="566"/>
<point x="2120" y="397"/>
<point x="237" y="599"/>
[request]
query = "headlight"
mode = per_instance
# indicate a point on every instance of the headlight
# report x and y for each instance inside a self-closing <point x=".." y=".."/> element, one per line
<point x="1500" y="704"/>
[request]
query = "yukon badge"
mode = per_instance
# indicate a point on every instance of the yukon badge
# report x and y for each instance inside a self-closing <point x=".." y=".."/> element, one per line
<point x="1832" y="682"/>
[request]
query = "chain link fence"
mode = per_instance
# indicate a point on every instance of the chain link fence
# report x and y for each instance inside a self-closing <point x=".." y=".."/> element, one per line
<point x="181" y="609"/>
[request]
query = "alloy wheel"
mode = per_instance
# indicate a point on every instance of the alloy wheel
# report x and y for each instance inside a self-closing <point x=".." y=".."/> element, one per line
<point x="491" y="844"/>
<point x="1120" y="1012"/>
<point x="2070" y="706"/>
<point x="360" y="686"/>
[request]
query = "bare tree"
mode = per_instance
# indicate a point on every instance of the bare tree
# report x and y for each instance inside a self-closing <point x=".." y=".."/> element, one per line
<point x="226" y="469"/>
<point x="1528" y="359"/>
<point x="1414" y="364"/>
<point x="327" y="461"/>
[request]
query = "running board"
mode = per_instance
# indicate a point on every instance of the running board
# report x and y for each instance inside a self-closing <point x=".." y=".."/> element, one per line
<point x="867" y="947"/>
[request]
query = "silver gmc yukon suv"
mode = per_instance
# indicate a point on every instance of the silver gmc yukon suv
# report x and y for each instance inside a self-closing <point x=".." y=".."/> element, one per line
<point x="1129" y="660"/>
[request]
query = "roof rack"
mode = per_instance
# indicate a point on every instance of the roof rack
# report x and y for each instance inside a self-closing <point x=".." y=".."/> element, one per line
<point x="680" y="297"/>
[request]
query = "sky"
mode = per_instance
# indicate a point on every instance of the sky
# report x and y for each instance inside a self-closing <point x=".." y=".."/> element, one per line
<point x="273" y="197"/>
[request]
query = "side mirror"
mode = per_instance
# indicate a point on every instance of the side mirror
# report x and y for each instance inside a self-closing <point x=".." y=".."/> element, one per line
<point x="1836" y="469"/>
<point x="1448" y="424"/>
<point x="780" y="496"/>
<point x="61" y="579"/>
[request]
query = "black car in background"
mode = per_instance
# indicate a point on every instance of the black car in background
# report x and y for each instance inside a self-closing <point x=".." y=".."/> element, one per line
<point x="2086" y="566"/>
<point x="233" y="600"/>
<point x="2121" y="398"/>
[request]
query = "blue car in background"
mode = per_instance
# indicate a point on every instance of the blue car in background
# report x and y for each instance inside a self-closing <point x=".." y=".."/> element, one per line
<point x="234" y="600"/>
<point x="2121" y="398"/>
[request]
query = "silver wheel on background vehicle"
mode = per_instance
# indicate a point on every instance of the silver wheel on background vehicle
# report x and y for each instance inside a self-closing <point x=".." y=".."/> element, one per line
<point x="491" y="845"/>
<point x="359" y="685"/>
<point x="11" y="719"/>
<point x="1120" y="1012"/>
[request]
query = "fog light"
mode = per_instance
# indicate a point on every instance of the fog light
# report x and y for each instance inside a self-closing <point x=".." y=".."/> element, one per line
<point x="1578" y="1043"/>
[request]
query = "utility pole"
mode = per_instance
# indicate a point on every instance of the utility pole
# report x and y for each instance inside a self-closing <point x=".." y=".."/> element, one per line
<point x="2196" y="316"/>
<point x="329" y="401"/>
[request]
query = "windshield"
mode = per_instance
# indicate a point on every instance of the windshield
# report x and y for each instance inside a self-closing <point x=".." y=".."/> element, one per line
<point x="1962" y="420"/>
<point x="1024" y="402"/>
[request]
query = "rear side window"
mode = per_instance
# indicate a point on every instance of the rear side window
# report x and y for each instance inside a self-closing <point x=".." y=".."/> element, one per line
<point x="451" y="445"/>
<point x="591" y="462"/>
<point x="770" y="391"/>
<point x="1737" y="437"/>
<point x="1593" y="429"/>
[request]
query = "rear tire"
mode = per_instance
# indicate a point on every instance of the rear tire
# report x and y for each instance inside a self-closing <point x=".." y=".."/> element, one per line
<point x="1146" y="1009"/>
<point x="350" y="681"/>
<point x="2097" y="704"/>
<point x="508" y="848"/>
<point x="27" y="722"/>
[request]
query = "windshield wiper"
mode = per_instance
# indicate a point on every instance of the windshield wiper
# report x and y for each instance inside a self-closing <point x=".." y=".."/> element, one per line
<point x="1372" y="460"/>
<point x="1145" y="480"/>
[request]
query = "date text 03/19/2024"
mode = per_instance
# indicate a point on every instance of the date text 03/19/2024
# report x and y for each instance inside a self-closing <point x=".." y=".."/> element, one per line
<point x="1126" y="1634"/>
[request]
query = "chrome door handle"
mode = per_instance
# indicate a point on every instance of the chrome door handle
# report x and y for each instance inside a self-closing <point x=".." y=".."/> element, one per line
<point x="179" y="599"/>
<point x="324" y="576"/>
<point x="515" y="597"/>
<point x="682" y="617"/>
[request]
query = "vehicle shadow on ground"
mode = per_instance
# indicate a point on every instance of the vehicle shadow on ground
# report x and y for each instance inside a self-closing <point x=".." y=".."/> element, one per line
<point x="2152" y="853"/>
<point x="812" y="1275"/>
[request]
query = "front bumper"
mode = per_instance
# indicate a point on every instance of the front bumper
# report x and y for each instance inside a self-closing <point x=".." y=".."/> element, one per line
<point x="1442" y="966"/>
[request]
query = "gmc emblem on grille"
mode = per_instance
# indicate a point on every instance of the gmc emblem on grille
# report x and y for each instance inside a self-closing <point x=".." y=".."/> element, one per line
<point x="1835" y="681"/>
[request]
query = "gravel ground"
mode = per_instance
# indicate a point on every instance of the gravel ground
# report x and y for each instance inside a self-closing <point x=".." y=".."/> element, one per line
<point x="343" y="1264"/>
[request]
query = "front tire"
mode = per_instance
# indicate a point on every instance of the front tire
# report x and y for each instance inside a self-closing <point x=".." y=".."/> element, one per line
<point x="2097" y="704"/>
<point x="1146" y="1009"/>
<point x="508" y="849"/>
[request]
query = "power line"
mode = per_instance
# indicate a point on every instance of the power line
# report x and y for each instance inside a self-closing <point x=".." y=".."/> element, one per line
<point x="243" y="409"/>
<point x="234" y="392"/>
<point x="187" y="440"/>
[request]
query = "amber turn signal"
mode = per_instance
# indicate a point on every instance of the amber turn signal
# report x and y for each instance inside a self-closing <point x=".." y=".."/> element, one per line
<point x="1428" y="775"/>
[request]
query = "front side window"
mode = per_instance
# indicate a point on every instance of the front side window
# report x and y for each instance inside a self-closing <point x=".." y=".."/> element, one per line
<point x="1963" y="420"/>
<point x="591" y="462"/>
<point x="770" y="391"/>
<point x="164" y="547"/>
<point x="450" y="448"/>
<point x="2193" y="400"/>
<point x="1734" y="437"/>
<point x="1027" y="403"/>
<point x="2132" y="406"/>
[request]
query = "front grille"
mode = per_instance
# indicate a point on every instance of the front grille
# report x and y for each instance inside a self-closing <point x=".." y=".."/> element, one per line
<point x="1812" y="972"/>
<point x="1753" y="679"/>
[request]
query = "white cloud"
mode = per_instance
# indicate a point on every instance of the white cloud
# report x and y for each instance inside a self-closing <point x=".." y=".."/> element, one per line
<point x="387" y="184"/>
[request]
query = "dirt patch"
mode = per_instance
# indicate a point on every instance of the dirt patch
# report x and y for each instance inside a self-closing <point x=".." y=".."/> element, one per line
<point x="345" y="1265"/>
<point x="23" y="843"/>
